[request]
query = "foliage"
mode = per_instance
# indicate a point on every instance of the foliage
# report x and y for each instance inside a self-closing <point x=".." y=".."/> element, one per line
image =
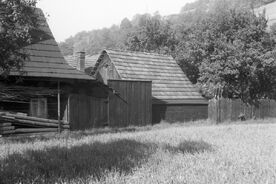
<point x="67" y="47"/>
<point x="17" y="21"/>
<point x="133" y="34"/>
<point x="208" y="4"/>
<point x="273" y="31"/>
<point x="92" y="42"/>
<point x="137" y="34"/>
<point x="235" y="56"/>
<point x="151" y="34"/>
<point x="142" y="33"/>
<point x="231" y="54"/>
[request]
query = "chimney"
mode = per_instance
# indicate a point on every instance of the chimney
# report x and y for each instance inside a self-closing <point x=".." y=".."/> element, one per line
<point x="80" y="59"/>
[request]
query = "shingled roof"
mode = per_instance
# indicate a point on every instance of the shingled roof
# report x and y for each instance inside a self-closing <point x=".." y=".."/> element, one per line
<point x="169" y="83"/>
<point x="46" y="59"/>
<point x="90" y="60"/>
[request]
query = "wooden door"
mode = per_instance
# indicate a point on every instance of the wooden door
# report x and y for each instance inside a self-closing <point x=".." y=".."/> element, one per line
<point x="86" y="112"/>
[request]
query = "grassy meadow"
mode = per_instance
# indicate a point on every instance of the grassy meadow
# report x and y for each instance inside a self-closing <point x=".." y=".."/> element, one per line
<point x="197" y="152"/>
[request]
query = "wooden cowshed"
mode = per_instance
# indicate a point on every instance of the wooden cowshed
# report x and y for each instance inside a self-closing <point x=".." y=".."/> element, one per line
<point x="174" y="97"/>
<point x="130" y="102"/>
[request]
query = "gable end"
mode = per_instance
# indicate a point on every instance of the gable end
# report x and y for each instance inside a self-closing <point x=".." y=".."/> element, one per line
<point x="105" y="69"/>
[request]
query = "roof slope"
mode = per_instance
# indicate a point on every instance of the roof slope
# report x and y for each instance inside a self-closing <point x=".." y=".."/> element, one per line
<point x="46" y="59"/>
<point x="168" y="80"/>
<point x="90" y="60"/>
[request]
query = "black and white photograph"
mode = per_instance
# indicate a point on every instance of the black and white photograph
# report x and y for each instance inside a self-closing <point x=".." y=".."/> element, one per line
<point x="137" y="91"/>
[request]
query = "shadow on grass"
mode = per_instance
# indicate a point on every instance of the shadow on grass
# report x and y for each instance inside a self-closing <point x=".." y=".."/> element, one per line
<point x="191" y="147"/>
<point x="62" y="164"/>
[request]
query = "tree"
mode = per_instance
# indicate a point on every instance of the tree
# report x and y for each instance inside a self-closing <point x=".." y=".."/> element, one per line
<point x="208" y="5"/>
<point x="125" y="24"/>
<point x="234" y="55"/>
<point x="151" y="34"/>
<point x="273" y="30"/>
<point x="67" y="47"/>
<point x="17" y="23"/>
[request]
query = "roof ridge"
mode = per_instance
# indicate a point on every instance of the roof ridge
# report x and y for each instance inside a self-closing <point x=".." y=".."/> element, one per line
<point x="125" y="51"/>
<point x="138" y="52"/>
<point x="74" y="54"/>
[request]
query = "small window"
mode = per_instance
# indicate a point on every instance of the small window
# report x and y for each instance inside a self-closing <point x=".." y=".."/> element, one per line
<point x="38" y="107"/>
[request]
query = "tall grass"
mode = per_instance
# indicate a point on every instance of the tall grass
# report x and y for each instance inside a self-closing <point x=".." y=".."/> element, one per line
<point x="228" y="153"/>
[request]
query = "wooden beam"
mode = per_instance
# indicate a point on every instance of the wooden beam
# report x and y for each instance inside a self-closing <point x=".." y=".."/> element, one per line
<point x="31" y="130"/>
<point x="68" y="109"/>
<point x="108" y="109"/>
<point x="8" y="132"/>
<point x="14" y="116"/>
<point x="34" y="123"/>
<point x="5" y="124"/>
<point x="58" y="98"/>
<point x="7" y="128"/>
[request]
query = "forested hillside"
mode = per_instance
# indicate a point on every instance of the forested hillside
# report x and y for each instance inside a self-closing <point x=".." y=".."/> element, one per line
<point x="206" y="4"/>
<point x="222" y="47"/>
<point x="144" y="32"/>
<point x="148" y="32"/>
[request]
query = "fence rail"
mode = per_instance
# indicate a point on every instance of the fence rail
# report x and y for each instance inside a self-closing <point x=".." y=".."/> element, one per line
<point x="221" y="110"/>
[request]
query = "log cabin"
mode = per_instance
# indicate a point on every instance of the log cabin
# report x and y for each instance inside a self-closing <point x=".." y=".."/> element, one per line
<point x="47" y="87"/>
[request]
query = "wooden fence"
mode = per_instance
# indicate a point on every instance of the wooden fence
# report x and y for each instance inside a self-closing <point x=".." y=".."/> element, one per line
<point x="221" y="110"/>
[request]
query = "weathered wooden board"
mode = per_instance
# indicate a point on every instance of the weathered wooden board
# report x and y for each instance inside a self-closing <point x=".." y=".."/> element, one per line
<point x="34" y="130"/>
<point x="86" y="112"/>
<point x="7" y="128"/>
<point x="132" y="103"/>
<point x="178" y="112"/>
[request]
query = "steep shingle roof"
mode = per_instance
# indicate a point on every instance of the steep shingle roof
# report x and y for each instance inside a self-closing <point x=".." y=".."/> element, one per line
<point x="169" y="83"/>
<point x="46" y="59"/>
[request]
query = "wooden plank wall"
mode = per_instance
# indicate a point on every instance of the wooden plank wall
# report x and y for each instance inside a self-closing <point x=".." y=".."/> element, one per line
<point x="132" y="106"/>
<point x="229" y="110"/>
<point x="86" y="112"/>
<point x="172" y="113"/>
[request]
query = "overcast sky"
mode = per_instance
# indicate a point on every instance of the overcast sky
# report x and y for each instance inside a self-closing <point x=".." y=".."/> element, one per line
<point x="68" y="17"/>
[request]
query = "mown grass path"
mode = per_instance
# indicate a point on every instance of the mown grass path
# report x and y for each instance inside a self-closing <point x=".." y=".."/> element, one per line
<point x="234" y="153"/>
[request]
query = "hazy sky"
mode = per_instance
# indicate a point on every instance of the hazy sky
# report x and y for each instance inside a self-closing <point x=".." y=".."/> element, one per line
<point x="67" y="17"/>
